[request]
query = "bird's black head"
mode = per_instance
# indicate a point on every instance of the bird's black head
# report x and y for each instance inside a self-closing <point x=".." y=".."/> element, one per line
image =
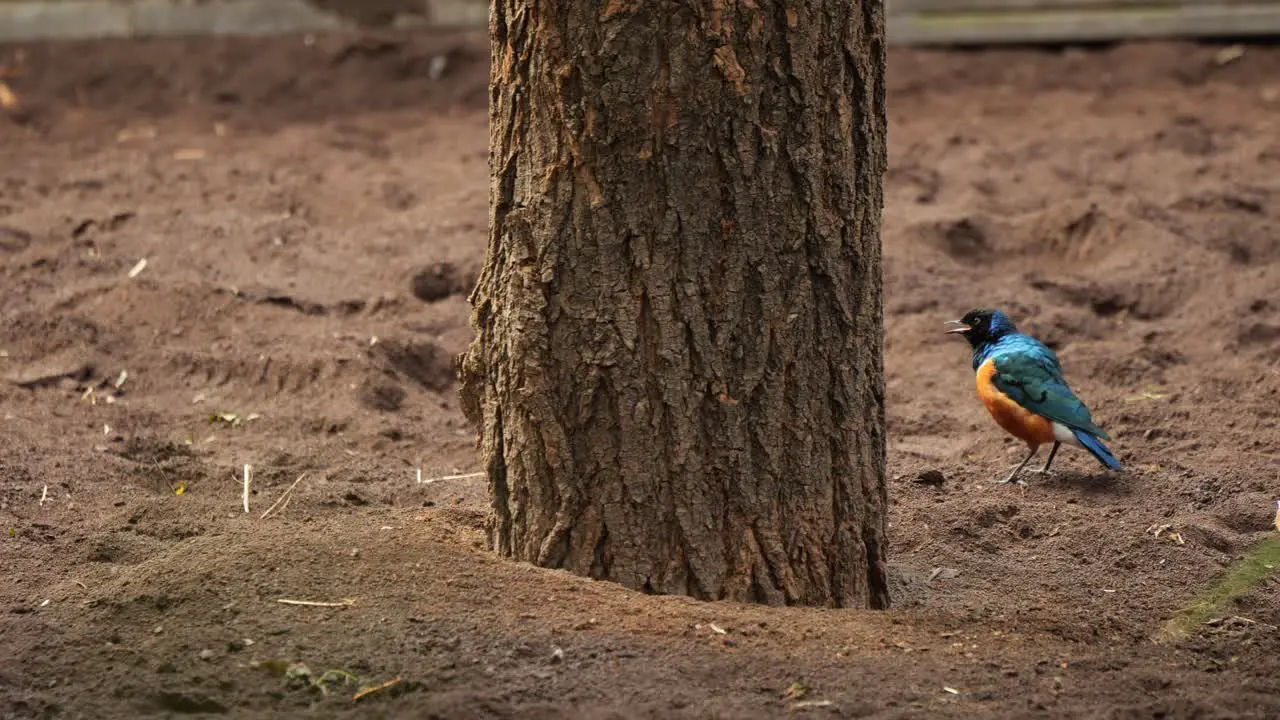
<point x="983" y="326"/>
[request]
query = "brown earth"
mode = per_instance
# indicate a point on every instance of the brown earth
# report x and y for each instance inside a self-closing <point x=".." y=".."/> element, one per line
<point x="313" y="212"/>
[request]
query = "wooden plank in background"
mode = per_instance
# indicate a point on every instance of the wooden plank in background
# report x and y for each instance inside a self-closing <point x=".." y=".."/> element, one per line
<point x="1055" y="24"/>
<point x="899" y="7"/>
<point x="22" y="20"/>
<point x="910" y="22"/>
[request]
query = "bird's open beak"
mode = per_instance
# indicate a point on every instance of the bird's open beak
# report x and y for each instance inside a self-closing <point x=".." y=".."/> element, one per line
<point x="962" y="329"/>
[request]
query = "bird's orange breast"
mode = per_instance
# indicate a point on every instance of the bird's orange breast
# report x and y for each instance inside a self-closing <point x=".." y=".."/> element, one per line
<point x="1016" y="420"/>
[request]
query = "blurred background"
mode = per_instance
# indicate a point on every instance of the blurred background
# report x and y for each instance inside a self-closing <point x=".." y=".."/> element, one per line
<point x="912" y="21"/>
<point x="243" y="232"/>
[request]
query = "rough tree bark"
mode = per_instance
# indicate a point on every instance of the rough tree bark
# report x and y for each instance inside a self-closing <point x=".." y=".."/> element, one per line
<point x="677" y="371"/>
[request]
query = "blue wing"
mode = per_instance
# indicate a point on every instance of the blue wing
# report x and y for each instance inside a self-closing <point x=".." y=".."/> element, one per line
<point x="1029" y="373"/>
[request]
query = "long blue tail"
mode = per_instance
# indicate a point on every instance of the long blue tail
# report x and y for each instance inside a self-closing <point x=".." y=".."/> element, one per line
<point x="1097" y="449"/>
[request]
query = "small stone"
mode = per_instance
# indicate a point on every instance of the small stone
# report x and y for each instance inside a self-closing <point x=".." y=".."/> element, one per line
<point x="437" y="66"/>
<point x="435" y="282"/>
<point x="206" y="654"/>
<point x="930" y="477"/>
<point x="943" y="573"/>
<point x="557" y="655"/>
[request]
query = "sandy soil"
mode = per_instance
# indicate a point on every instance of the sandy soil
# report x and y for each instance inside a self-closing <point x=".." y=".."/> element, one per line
<point x="312" y="214"/>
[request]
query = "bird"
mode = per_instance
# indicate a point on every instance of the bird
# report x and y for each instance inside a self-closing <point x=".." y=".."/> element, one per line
<point x="1020" y="381"/>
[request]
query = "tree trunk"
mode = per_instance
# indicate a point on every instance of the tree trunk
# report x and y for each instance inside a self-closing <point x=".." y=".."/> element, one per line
<point x="678" y="363"/>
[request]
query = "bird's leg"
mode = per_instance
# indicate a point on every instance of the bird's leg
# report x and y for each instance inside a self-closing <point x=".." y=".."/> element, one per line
<point x="1044" y="470"/>
<point x="1010" y="477"/>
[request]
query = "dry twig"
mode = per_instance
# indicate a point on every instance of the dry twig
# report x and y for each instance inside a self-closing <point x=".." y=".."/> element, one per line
<point x="283" y="501"/>
<point x="466" y="476"/>
<point x="376" y="689"/>
<point x="247" y="470"/>
<point x="345" y="602"/>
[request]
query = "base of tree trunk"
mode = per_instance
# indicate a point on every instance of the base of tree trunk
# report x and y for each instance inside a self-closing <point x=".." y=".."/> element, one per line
<point x="677" y="369"/>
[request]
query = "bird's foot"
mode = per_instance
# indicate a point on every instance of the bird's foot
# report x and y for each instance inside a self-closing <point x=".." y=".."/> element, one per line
<point x="1011" y="478"/>
<point x="1040" y="471"/>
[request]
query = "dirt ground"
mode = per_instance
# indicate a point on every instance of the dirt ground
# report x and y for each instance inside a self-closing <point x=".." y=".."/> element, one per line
<point x="312" y="214"/>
